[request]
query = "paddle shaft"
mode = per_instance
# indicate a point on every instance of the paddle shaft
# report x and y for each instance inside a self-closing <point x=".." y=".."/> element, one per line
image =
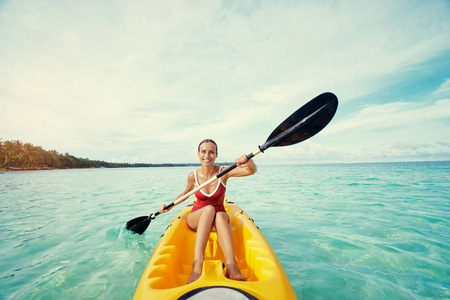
<point x="260" y="149"/>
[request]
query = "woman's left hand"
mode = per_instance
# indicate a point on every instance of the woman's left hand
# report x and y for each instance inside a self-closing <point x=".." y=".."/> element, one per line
<point x="242" y="161"/>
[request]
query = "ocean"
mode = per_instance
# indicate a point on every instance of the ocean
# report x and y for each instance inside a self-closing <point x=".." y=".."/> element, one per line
<point x="341" y="231"/>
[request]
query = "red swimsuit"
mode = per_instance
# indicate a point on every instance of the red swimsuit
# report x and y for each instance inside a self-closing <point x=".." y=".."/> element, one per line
<point x="215" y="199"/>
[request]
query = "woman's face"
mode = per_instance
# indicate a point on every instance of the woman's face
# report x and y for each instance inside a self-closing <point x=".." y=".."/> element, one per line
<point x="207" y="153"/>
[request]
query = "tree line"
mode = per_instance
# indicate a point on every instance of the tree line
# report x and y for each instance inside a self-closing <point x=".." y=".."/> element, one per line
<point x="16" y="154"/>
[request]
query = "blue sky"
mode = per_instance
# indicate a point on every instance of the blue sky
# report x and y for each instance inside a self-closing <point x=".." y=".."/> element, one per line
<point x="145" y="81"/>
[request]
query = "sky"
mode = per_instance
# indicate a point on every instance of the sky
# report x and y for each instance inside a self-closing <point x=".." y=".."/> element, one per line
<point x="146" y="81"/>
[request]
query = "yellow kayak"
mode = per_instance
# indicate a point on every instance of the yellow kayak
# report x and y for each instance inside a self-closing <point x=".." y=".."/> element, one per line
<point x="168" y="270"/>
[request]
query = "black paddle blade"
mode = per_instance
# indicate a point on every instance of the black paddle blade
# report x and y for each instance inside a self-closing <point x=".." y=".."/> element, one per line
<point x="307" y="121"/>
<point x="138" y="225"/>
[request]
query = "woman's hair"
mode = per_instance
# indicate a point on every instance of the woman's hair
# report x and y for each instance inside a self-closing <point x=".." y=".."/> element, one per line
<point x="208" y="141"/>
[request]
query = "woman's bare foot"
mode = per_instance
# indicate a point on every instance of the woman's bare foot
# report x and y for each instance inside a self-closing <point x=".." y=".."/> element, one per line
<point x="196" y="271"/>
<point x="234" y="273"/>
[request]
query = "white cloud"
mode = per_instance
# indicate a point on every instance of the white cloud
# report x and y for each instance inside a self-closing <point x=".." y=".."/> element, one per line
<point x="393" y="116"/>
<point x="145" y="79"/>
<point x="444" y="88"/>
<point x="399" y="130"/>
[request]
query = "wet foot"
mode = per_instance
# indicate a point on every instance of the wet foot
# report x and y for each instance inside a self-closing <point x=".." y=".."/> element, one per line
<point x="196" y="271"/>
<point x="234" y="273"/>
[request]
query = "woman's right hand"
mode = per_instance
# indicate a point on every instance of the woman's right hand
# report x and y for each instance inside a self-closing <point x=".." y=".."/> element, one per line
<point x="163" y="209"/>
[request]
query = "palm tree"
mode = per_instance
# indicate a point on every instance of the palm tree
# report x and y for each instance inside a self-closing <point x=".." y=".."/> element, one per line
<point x="2" y="154"/>
<point x="11" y="153"/>
<point x="27" y="155"/>
<point x="33" y="155"/>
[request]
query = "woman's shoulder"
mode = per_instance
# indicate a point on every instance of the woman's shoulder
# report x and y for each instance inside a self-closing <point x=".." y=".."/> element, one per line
<point x="195" y="173"/>
<point x="191" y="178"/>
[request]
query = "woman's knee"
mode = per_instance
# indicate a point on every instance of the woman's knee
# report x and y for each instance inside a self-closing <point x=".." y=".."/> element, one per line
<point x="205" y="213"/>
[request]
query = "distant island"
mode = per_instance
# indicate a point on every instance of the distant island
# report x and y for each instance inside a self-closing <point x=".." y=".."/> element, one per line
<point x="16" y="155"/>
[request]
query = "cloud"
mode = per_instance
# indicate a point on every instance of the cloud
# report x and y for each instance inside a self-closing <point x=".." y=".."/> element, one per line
<point x="399" y="130"/>
<point x="444" y="88"/>
<point x="149" y="79"/>
<point x="392" y="116"/>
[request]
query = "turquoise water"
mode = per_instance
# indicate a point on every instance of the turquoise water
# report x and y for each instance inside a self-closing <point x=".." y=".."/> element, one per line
<point x="350" y="231"/>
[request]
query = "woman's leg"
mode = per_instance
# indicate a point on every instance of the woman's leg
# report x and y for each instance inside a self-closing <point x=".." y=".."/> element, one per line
<point x="201" y="221"/>
<point x="222" y="224"/>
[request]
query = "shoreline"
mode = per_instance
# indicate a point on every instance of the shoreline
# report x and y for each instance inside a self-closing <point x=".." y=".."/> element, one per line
<point x="175" y="165"/>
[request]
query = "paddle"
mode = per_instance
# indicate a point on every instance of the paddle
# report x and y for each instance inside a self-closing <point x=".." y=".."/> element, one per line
<point x="301" y="125"/>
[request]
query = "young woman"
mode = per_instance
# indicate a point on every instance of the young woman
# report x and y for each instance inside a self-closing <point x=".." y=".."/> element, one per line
<point x="209" y="212"/>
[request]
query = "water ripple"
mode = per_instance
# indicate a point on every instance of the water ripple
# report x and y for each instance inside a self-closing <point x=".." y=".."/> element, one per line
<point x="370" y="231"/>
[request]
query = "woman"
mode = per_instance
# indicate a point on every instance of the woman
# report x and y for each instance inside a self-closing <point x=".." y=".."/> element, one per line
<point x="209" y="213"/>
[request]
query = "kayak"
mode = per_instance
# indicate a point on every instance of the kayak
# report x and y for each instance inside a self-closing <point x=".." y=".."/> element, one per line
<point x="170" y="266"/>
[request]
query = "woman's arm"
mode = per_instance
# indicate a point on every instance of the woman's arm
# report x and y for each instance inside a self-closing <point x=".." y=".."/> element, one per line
<point x="245" y="167"/>
<point x="189" y="187"/>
